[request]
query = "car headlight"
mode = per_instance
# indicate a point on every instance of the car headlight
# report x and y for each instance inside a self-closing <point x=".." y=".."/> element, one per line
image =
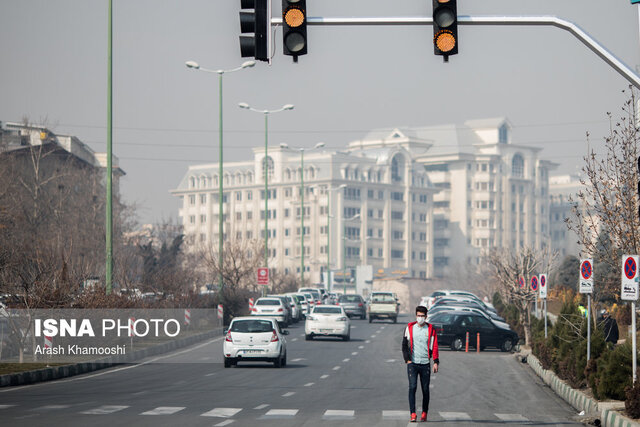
<point x="311" y="317"/>
<point x="342" y="319"/>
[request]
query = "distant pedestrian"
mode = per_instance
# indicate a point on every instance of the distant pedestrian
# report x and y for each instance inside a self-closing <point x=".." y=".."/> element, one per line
<point x="610" y="328"/>
<point x="419" y="346"/>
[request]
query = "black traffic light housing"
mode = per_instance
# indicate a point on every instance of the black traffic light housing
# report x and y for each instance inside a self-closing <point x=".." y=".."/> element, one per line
<point x="294" y="28"/>
<point x="256" y="21"/>
<point x="445" y="28"/>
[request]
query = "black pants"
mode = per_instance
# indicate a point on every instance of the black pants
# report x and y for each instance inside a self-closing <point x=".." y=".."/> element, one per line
<point x="424" y="371"/>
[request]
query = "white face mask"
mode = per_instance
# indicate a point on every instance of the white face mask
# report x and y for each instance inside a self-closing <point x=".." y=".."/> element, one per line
<point x="421" y="320"/>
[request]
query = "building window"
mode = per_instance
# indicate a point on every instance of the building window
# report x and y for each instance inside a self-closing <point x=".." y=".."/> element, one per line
<point x="203" y="199"/>
<point x="397" y="253"/>
<point x="517" y="166"/>
<point x="286" y="213"/>
<point x="192" y="219"/>
<point x="239" y="216"/>
<point x="370" y="194"/>
<point x="249" y="234"/>
<point x="239" y="196"/>
<point x="239" y="235"/>
<point x="397" y="215"/>
<point x="192" y="199"/>
<point x="267" y="164"/>
<point x="351" y="212"/>
<point x="398" y="235"/>
<point x="352" y="193"/>
<point x="380" y="252"/>
<point x="503" y="134"/>
<point x="249" y="195"/>
<point x="203" y="219"/>
<point x="396" y="195"/>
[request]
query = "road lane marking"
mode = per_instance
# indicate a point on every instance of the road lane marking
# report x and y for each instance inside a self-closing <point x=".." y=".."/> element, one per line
<point x="336" y="414"/>
<point x="335" y="368"/>
<point x="225" y="423"/>
<point x="298" y="359"/>
<point x="361" y="347"/>
<point x="211" y="374"/>
<point x="324" y="376"/>
<point x="264" y="405"/>
<point x="455" y="416"/>
<point x="512" y="417"/>
<point x="383" y="327"/>
<point x="51" y="407"/>
<point x="6" y="406"/>
<point x="391" y="360"/>
<point x="280" y="413"/>
<point x="373" y="336"/>
<point x="367" y="342"/>
<point x="289" y="393"/>
<point x="104" y="409"/>
<point x="205" y="358"/>
<point x="395" y="415"/>
<point x="222" y="412"/>
<point x="164" y="410"/>
<point x="294" y="339"/>
<point x="354" y="353"/>
<point x="309" y="384"/>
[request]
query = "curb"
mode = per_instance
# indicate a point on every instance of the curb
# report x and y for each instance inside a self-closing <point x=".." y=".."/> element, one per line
<point x="580" y="401"/>
<point x="54" y="373"/>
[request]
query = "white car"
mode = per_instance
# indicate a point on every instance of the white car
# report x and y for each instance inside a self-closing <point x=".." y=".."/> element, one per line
<point x="327" y="320"/>
<point x="255" y="339"/>
<point x="270" y="307"/>
<point x="304" y="303"/>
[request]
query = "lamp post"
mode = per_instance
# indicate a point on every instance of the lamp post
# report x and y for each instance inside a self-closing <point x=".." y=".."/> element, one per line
<point x="195" y="66"/>
<point x="344" y="253"/>
<point x="329" y="190"/>
<point x="265" y="166"/>
<point x="301" y="149"/>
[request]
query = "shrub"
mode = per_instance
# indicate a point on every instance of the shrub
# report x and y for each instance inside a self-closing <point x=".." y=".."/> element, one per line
<point x="632" y="402"/>
<point x="614" y="373"/>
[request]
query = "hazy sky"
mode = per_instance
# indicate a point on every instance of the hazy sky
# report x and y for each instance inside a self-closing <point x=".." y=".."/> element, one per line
<point x="53" y="56"/>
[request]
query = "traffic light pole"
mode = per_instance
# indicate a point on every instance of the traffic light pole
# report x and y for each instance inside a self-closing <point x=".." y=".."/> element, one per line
<point x="549" y="21"/>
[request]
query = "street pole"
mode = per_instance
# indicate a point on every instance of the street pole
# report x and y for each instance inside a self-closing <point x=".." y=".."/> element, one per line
<point x="588" y="327"/>
<point x="266" y="195"/>
<point x="344" y="263"/>
<point x="329" y="287"/>
<point x="633" y="340"/>
<point x="545" y="318"/>
<point x="302" y="217"/>
<point x="220" y="190"/>
<point x="109" y="213"/>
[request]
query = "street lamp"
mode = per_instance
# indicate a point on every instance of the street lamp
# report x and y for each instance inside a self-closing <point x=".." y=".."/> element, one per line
<point x="301" y="149"/>
<point x="344" y="253"/>
<point x="195" y="66"/>
<point x="329" y="216"/>
<point x="265" y="165"/>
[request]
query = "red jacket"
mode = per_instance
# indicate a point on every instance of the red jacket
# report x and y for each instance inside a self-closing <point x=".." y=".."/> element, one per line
<point x="432" y="341"/>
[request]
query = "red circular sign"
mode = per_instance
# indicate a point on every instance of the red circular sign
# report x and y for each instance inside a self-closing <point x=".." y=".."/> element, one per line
<point x="586" y="270"/>
<point x="521" y="282"/>
<point x="534" y="283"/>
<point x="543" y="281"/>
<point x="630" y="268"/>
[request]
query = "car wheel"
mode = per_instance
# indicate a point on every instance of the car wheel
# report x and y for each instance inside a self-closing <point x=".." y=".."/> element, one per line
<point x="347" y="337"/>
<point x="363" y="316"/>
<point x="507" y="345"/>
<point x="456" y="344"/>
<point x="227" y="363"/>
<point x="370" y="319"/>
<point x="308" y="337"/>
<point x="277" y="363"/>
<point x="395" y="320"/>
<point x="284" y="360"/>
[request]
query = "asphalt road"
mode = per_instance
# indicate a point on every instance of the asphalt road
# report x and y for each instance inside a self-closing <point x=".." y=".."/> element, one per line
<point x="326" y="382"/>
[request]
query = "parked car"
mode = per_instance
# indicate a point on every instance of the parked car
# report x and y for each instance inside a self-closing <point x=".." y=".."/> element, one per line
<point x="353" y="305"/>
<point x="270" y="307"/>
<point x="327" y="320"/>
<point x="444" y="308"/>
<point x="452" y="327"/>
<point x="255" y="339"/>
<point x="466" y="302"/>
<point x="383" y="306"/>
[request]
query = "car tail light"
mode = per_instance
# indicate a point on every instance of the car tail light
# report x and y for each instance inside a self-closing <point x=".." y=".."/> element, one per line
<point x="228" y="337"/>
<point x="280" y="310"/>
<point x="359" y="304"/>
<point x="342" y="319"/>
<point x="337" y="303"/>
<point x="274" y="337"/>
<point x="255" y="310"/>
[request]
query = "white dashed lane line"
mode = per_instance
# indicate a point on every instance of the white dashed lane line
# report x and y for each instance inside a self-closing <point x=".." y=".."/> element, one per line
<point x="360" y="347"/>
<point x="335" y="368"/>
<point x="354" y="353"/>
<point x="346" y="360"/>
<point x="309" y="384"/>
<point x="290" y="393"/>
<point x="324" y="376"/>
<point x="367" y="342"/>
<point x="264" y="405"/>
<point x="224" y="423"/>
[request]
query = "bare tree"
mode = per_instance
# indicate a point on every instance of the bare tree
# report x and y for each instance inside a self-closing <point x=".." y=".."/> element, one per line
<point x="609" y="202"/>
<point x="507" y="266"/>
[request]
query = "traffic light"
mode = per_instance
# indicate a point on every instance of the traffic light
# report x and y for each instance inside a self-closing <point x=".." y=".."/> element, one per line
<point x="258" y="22"/>
<point x="294" y="28"/>
<point x="445" y="28"/>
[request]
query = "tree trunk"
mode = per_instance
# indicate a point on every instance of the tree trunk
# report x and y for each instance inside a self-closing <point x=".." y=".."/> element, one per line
<point x="525" y="319"/>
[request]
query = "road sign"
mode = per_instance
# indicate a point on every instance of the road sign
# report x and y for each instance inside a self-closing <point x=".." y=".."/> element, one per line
<point x="220" y="311"/>
<point x="521" y="282"/>
<point x="630" y="264"/>
<point x="534" y="283"/>
<point x="187" y="316"/>
<point x="542" y="278"/>
<point x="586" y="276"/>
<point x="250" y="304"/>
<point x="263" y="276"/>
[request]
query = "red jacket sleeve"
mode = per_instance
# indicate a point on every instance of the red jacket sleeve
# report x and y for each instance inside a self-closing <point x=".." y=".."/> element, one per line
<point x="434" y="352"/>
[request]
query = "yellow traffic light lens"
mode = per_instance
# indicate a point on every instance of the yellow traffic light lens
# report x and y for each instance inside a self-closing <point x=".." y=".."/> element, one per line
<point x="443" y="1"/>
<point x="445" y="41"/>
<point x="294" y="17"/>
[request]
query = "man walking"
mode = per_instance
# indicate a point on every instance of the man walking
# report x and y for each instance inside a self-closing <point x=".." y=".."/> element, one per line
<point x="419" y="346"/>
<point x="610" y="326"/>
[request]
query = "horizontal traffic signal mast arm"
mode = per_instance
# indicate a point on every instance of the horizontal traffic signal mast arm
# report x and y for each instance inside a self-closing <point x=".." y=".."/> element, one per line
<point x="550" y="21"/>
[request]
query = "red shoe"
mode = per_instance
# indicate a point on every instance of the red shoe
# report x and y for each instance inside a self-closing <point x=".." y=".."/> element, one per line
<point x="423" y="418"/>
<point x="414" y="417"/>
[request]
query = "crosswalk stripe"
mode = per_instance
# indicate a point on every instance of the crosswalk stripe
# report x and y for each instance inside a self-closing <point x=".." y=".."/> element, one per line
<point x="511" y="417"/>
<point x="336" y="414"/>
<point x="280" y="413"/>
<point x="395" y="415"/>
<point x="222" y="412"/>
<point x="164" y="410"/>
<point x="455" y="416"/>
<point x="224" y="423"/>
<point x="105" y="409"/>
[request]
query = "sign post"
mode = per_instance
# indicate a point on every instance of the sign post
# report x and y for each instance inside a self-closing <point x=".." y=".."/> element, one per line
<point x="543" y="296"/>
<point x="586" y="287"/>
<point x="534" y="288"/>
<point x="263" y="278"/>
<point x="629" y="292"/>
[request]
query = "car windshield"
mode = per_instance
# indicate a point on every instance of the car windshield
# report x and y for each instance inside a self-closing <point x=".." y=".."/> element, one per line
<point x="349" y="298"/>
<point x="268" y="302"/>
<point x="251" y="326"/>
<point x="327" y="310"/>
<point x="445" y="318"/>
<point x="302" y="298"/>
<point x="383" y="298"/>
